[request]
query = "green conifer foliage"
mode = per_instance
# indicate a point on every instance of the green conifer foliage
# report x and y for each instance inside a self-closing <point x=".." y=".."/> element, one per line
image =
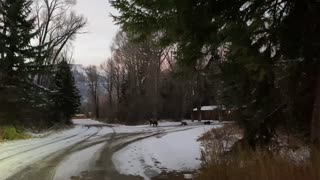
<point x="66" y="96"/>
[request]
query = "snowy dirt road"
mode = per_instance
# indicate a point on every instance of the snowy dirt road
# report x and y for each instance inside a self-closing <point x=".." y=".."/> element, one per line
<point x="93" y="150"/>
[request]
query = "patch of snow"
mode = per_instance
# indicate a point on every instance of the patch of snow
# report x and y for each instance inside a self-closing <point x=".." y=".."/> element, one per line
<point x="172" y="146"/>
<point x="188" y="176"/>
<point x="85" y="122"/>
<point x="18" y="155"/>
<point x="175" y="151"/>
<point x="78" y="162"/>
<point x="162" y="126"/>
<point x="299" y="155"/>
<point x="145" y="128"/>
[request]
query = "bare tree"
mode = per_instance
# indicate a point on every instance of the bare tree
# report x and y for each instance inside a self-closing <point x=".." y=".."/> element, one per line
<point x="158" y="57"/>
<point x="109" y="75"/>
<point x="131" y="68"/>
<point x="57" y="25"/>
<point x="93" y="82"/>
<point x="135" y="72"/>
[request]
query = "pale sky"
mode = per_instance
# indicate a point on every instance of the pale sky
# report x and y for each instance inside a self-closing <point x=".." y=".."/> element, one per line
<point x="94" y="46"/>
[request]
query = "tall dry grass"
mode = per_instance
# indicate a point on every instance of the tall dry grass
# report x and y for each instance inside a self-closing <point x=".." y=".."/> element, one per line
<point x="261" y="166"/>
<point x="245" y="164"/>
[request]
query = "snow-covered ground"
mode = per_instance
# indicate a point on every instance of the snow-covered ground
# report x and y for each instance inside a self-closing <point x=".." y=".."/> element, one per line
<point x="86" y="122"/>
<point x="142" y="150"/>
<point x="176" y="151"/>
<point x="78" y="162"/>
<point x="163" y="126"/>
<point x="17" y="155"/>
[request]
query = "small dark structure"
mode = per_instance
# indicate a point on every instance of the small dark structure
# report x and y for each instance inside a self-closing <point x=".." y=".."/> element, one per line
<point x="153" y="122"/>
<point x="207" y="122"/>
<point x="184" y="123"/>
<point x="208" y="113"/>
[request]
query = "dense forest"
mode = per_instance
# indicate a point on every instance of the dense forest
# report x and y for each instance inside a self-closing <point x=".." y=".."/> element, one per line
<point x="138" y="82"/>
<point x="259" y="59"/>
<point x="37" y="88"/>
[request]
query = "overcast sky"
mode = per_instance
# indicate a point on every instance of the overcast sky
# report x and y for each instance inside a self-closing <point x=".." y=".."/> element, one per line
<point x="94" y="46"/>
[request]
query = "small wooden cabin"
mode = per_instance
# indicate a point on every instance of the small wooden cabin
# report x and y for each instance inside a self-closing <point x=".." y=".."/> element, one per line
<point x="208" y="113"/>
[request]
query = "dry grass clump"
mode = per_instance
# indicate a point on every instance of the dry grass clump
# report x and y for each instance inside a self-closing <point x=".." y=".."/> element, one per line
<point x="218" y="141"/>
<point x="221" y="164"/>
<point x="12" y="133"/>
<point x="260" y="166"/>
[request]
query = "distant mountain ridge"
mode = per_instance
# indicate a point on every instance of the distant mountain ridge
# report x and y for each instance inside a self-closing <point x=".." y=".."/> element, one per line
<point x="80" y="76"/>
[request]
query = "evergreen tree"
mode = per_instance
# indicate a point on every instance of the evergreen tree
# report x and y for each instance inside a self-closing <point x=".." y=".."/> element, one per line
<point x="16" y="32"/>
<point x="66" y="97"/>
<point x="267" y="43"/>
<point x="16" y="52"/>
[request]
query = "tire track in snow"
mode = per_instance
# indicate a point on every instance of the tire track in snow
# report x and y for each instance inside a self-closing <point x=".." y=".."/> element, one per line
<point x="39" y="146"/>
<point x="105" y="169"/>
<point x="145" y="169"/>
<point x="24" y="143"/>
<point x="47" y="166"/>
<point x="22" y="160"/>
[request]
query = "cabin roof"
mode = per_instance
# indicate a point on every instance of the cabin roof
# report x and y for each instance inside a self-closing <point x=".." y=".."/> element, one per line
<point x="206" y="108"/>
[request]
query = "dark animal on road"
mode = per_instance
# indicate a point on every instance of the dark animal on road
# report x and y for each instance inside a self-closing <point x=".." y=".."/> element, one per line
<point x="183" y="123"/>
<point x="207" y="122"/>
<point x="153" y="122"/>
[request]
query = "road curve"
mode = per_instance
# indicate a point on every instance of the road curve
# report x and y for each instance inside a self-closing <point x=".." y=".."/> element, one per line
<point x="85" y="155"/>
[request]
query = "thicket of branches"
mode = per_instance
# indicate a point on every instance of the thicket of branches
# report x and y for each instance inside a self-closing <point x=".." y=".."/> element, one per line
<point x="34" y="38"/>
<point x="143" y="80"/>
<point x="261" y="57"/>
<point x="139" y="82"/>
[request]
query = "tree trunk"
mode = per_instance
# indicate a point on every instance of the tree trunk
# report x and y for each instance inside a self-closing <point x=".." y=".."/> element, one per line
<point x="110" y="106"/>
<point x="199" y="112"/>
<point x="97" y="108"/>
<point x="156" y="86"/>
<point x="199" y="89"/>
<point x="110" y="91"/>
<point x="315" y="123"/>
<point x="312" y="43"/>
